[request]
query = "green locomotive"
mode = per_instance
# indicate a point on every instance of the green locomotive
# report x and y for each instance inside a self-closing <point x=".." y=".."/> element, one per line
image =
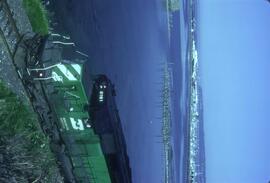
<point x="79" y="114"/>
<point x="69" y="101"/>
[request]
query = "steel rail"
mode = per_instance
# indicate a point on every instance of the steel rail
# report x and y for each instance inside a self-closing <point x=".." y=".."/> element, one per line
<point x="11" y="28"/>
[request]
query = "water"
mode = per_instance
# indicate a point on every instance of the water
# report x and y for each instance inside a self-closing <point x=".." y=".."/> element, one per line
<point x="127" y="40"/>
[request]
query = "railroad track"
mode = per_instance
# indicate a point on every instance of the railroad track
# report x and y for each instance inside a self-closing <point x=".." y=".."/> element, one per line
<point x="10" y="41"/>
<point x="9" y="32"/>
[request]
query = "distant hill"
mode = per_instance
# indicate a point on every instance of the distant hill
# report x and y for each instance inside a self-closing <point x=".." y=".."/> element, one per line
<point x="174" y="5"/>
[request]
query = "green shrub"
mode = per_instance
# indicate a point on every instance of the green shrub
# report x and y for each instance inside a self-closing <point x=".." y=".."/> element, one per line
<point x="37" y="16"/>
<point x="24" y="150"/>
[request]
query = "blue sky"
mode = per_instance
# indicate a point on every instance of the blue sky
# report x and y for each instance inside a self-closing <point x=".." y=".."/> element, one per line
<point x="234" y="50"/>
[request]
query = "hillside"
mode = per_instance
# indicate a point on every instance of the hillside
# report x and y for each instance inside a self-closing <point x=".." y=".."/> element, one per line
<point x="24" y="150"/>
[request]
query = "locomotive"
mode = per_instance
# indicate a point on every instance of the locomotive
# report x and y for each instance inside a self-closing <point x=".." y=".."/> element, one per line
<point x="76" y="110"/>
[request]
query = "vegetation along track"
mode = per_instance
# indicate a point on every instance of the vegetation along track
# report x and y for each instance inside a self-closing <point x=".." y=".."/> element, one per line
<point x="11" y="42"/>
<point x="9" y="33"/>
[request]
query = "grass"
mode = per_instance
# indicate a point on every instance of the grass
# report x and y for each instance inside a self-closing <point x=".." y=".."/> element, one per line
<point x="37" y="16"/>
<point x="15" y="117"/>
<point x="24" y="149"/>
